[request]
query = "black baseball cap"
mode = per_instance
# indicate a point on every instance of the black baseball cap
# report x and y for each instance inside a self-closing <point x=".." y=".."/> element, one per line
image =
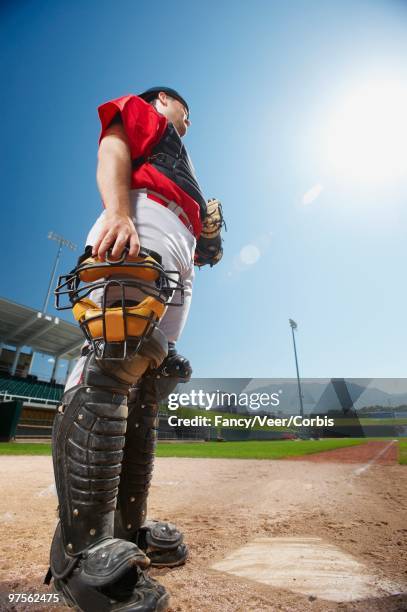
<point x="152" y="93"/>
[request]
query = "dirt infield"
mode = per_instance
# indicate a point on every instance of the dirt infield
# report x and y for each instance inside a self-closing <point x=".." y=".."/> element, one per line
<point x="380" y="452"/>
<point x="222" y="505"/>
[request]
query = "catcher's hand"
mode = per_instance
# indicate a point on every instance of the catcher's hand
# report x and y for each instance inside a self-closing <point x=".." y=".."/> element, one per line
<point x="209" y="249"/>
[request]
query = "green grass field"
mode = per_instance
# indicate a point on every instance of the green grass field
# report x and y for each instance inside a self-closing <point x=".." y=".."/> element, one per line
<point x="13" y="448"/>
<point x="232" y="450"/>
<point x="225" y="450"/>
<point x="403" y="452"/>
<point x="253" y="449"/>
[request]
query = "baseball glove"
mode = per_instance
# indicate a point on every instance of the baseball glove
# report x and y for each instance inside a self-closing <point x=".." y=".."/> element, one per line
<point x="209" y="249"/>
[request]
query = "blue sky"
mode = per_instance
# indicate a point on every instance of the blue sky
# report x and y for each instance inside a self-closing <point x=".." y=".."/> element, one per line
<point x="315" y="207"/>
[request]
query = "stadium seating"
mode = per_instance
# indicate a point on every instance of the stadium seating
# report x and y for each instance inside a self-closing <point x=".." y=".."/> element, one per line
<point x="15" y="386"/>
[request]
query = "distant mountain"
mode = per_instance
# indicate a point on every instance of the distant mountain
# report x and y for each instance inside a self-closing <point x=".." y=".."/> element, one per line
<point x="322" y="396"/>
<point x="319" y="395"/>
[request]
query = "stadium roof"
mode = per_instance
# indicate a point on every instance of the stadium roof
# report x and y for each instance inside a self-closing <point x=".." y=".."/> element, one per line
<point x="24" y="326"/>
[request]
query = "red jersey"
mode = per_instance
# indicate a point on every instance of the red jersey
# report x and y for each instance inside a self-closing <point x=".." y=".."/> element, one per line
<point x="144" y="127"/>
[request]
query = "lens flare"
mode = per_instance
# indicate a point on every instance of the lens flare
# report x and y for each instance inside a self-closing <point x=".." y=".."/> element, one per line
<point x="366" y="138"/>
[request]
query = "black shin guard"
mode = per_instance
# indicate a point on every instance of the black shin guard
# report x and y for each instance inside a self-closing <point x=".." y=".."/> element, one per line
<point x="91" y="568"/>
<point x="162" y="542"/>
<point x="88" y="449"/>
<point x="138" y="462"/>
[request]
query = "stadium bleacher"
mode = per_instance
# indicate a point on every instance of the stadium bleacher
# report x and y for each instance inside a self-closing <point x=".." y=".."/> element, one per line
<point x="35" y="404"/>
<point x="28" y="389"/>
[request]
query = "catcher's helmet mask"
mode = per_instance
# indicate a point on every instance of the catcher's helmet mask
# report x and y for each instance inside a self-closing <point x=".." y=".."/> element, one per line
<point x="116" y="327"/>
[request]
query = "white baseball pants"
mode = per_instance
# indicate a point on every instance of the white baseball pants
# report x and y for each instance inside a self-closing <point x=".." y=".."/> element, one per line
<point x="160" y="230"/>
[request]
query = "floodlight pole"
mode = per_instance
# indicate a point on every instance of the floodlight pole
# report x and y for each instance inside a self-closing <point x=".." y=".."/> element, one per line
<point x="61" y="242"/>
<point x="294" y="326"/>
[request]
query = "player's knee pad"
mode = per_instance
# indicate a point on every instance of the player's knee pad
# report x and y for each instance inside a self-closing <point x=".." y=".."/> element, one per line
<point x="129" y="370"/>
<point x="175" y="365"/>
<point x="159" y="382"/>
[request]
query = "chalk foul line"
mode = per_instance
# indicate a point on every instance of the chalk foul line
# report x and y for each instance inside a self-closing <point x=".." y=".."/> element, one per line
<point x="366" y="466"/>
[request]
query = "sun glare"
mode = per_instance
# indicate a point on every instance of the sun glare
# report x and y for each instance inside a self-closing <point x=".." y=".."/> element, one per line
<point x="366" y="138"/>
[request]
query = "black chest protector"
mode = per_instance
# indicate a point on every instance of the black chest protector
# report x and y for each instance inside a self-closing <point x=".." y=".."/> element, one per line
<point x="170" y="157"/>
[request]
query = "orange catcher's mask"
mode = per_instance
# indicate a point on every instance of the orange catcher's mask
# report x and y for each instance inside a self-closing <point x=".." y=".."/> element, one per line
<point x="118" y="301"/>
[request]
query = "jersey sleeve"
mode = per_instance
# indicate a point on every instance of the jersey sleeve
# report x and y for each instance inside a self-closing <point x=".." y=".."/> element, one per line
<point x="143" y="125"/>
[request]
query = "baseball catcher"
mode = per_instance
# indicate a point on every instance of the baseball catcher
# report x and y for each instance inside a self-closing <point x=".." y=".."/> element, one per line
<point x="130" y="293"/>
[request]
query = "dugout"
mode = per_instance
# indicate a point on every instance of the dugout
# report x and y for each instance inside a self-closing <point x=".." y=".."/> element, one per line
<point x="25" y="331"/>
<point x="9" y="417"/>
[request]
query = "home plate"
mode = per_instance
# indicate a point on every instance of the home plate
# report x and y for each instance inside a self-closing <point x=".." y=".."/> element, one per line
<point x="308" y="566"/>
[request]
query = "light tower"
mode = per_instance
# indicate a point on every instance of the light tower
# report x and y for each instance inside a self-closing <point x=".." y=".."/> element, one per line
<point x="61" y="242"/>
<point x="294" y="326"/>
